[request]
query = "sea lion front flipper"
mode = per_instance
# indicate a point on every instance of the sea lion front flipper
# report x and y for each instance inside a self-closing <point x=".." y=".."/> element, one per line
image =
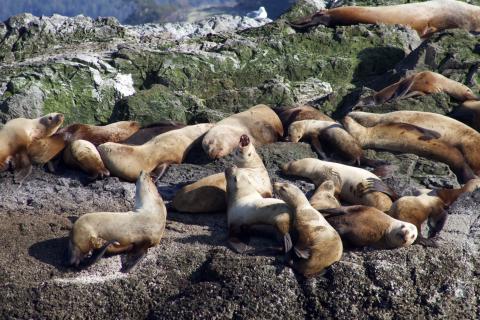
<point x="287" y="242"/>
<point x="100" y="253"/>
<point x="413" y="94"/>
<point x="436" y="226"/>
<point x="159" y="171"/>
<point x="333" y="212"/>
<point x="237" y="245"/>
<point x="426" y="134"/>
<point x="427" y="31"/>
<point x="302" y="253"/>
<point x="402" y="89"/>
<point x="133" y="257"/>
<point x="426" y="242"/>
<point x="373" y="185"/>
<point x="25" y="168"/>
<point x="318" y="148"/>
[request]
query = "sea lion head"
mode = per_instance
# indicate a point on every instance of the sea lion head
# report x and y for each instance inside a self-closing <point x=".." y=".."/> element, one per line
<point x="289" y="193"/>
<point x="244" y="154"/>
<point x="324" y="196"/>
<point x="74" y="254"/>
<point x="51" y="122"/>
<point x="462" y="93"/>
<point x="219" y="146"/>
<point x="296" y="131"/>
<point x="402" y="234"/>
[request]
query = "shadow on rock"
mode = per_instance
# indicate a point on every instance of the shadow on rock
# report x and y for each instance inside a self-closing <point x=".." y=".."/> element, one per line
<point x="52" y="252"/>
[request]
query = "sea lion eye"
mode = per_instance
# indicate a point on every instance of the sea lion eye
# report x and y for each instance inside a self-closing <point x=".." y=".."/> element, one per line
<point x="249" y="154"/>
<point x="50" y="118"/>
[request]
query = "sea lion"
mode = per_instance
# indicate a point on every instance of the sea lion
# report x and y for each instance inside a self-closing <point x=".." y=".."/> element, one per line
<point x="424" y="17"/>
<point x="288" y="115"/>
<point x="421" y="83"/>
<point x="260" y="123"/>
<point x="116" y="232"/>
<point x="247" y="207"/>
<point x="451" y="131"/>
<point x="354" y="185"/>
<point x="408" y="138"/>
<point x="113" y="132"/>
<point x="18" y="134"/>
<point x="42" y="151"/>
<point x="324" y="196"/>
<point x="430" y="207"/>
<point x="468" y="113"/>
<point x="318" y="245"/>
<point x="127" y="161"/>
<point x="209" y="194"/>
<point x="318" y="132"/>
<point x="146" y="133"/>
<point x="361" y="226"/>
<point x="84" y="155"/>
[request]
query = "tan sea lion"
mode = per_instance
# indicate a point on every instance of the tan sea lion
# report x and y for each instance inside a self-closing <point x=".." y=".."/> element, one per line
<point x="288" y="115"/>
<point x="247" y="207"/>
<point x="430" y="207"/>
<point x="354" y="185"/>
<point x="146" y="133"/>
<point x="318" y="132"/>
<point x="260" y="123"/>
<point x="127" y="161"/>
<point x="84" y="155"/>
<point x="116" y="232"/>
<point x="209" y="194"/>
<point x="451" y="131"/>
<point x="18" y="134"/>
<point x="361" y="226"/>
<point x="318" y="245"/>
<point x="424" y="17"/>
<point x="421" y="83"/>
<point x="324" y="196"/>
<point x="408" y="138"/>
<point x="114" y="132"/>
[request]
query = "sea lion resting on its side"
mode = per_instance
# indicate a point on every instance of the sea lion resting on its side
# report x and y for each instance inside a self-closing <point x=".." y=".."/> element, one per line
<point x="289" y="115"/>
<point x="209" y="194"/>
<point x="116" y="232"/>
<point x="83" y="154"/>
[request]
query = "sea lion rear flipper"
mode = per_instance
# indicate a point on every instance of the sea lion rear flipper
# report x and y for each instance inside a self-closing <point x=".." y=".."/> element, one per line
<point x="287" y="242"/>
<point x="402" y="89"/>
<point x="436" y="226"/>
<point x="133" y="257"/>
<point x="302" y="253"/>
<point x="318" y="148"/>
<point x="159" y="171"/>
<point x="373" y="184"/>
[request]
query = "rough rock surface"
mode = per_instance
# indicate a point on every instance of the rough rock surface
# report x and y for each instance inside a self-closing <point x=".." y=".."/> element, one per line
<point x="97" y="71"/>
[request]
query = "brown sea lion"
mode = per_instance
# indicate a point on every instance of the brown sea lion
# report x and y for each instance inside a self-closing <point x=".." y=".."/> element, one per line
<point x="408" y="138"/>
<point x="424" y="17"/>
<point x="421" y="83"/>
<point x="430" y="207"/>
<point x="84" y="155"/>
<point x="209" y="194"/>
<point x="247" y="207"/>
<point x="146" y="133"/>
<point x="116" y="232"/>
<point x="361" y="226"/>
<point x="127" y="161"/>
<point x="260" y="123"/>
<point x="324" y="196"/>
<point x="451" y="131"/>
<point x="114" y="132"/>
<point x="318" y="245"/>
<point x="354" y="185"/>
<point x="18" y="134"/>
<point x="291" y="114"/>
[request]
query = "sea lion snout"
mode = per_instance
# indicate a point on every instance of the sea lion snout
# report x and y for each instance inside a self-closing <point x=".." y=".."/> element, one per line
<point x="408" y="233"/>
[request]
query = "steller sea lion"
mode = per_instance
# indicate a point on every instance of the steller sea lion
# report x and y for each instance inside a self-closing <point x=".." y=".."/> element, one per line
<point x="113" y="132"/>
<point x="84" y="155"/>
<point x="361" y="226"/>
<point x="288" y="115"/>
<point x="451" y="131"/>
<point x="260" y="123"/>
<point x="424" y="17"/>
<point x="354" y="185"/>
<point x="324" y="196"/>
<point x="127" y="161"/>
<point x="209" y="194"/>
<point x="421" y="83"/>
<point x="247" y="207"/>
<point x="403" y="137"/>
<point x="146" y="133"/>
<point x="318" y="245"/>
<point x="116" y="232"/>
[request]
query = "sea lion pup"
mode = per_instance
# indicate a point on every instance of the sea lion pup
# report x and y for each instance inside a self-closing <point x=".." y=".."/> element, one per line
<point x="318" y="245"/>
<point x="114" y="132"/>
<point x="451" y="131"/>
<point x="247" y="207"/>
<point x="421" y="83"/>
<point x="209" y="194"/>
<point x="18" y="134"/>
<point x="260" y="123"/>
<point x="147" y="133"/>
<point x="424" y="17"/>
<point x="361" y="226"/>
<point x="468" y="113"/>
<point x="84" y="155"/>
<point x="354" y="185"/>
<point x="288" y="115"/>
<point x="324" y="196"/>
<point x="408" y="138"/>
<point x="127" y="162"/>
<point x="430" y="207"/>
<point x="116" y="232"/>
<point x="318" y="131"/>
